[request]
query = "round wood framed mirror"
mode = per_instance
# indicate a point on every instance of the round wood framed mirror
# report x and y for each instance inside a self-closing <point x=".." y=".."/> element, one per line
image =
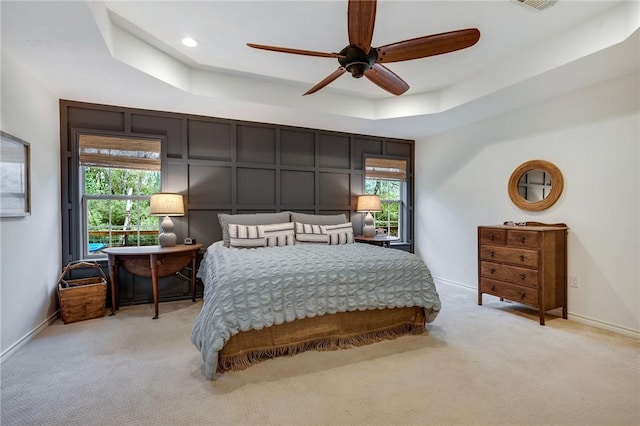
<point x="535" y="185"/>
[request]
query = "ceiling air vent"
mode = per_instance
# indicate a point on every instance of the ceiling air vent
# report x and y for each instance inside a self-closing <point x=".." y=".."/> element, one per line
<point x="537" y="4"/>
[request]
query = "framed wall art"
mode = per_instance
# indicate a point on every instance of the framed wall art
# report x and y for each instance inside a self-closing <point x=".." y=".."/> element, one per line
<point x="15" y="178"/>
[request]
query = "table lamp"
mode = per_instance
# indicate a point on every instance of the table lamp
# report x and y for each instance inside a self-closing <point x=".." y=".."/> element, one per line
<point x="166" y="204"/>
<point x="368" y="204"/>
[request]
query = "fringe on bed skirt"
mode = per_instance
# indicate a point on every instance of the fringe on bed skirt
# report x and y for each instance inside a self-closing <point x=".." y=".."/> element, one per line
<point x="332" y="343"/>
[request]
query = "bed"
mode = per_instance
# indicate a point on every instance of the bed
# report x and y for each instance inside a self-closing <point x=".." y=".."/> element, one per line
<point x="269" y="301"/>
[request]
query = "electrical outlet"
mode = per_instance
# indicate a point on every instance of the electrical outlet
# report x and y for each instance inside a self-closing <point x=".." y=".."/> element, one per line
<point x="574" y="281"/>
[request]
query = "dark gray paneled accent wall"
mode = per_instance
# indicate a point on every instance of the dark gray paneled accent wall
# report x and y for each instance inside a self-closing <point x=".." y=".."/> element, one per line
<point x="231" y="166"/>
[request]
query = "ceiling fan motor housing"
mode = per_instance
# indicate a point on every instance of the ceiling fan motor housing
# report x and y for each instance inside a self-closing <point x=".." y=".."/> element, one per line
<point x="356" y="61"/>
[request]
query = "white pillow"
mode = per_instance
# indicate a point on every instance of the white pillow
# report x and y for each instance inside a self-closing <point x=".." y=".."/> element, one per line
<point x="339" y="234"/>
<point x="278" y="234"/>
<point x="249" y="219"/>
<point x="245" y="236"/>
<point x="307" y="233"/>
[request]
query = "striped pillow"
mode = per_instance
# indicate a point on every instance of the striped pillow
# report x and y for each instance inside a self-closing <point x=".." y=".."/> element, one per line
<point x="339" y="234"/>
<point x="277" y="235"/>
<point x="306" y="233"/>
<point x="245" y="236"/>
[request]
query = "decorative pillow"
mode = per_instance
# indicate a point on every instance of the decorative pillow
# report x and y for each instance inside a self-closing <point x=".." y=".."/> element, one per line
<point x="307" y="233"/>
<point x="279" y="234"/>
<point x="339" y="234"/>
<point x="249" y="219"/>
<point x="245" y="236"/>
<point x="318" y="219"/>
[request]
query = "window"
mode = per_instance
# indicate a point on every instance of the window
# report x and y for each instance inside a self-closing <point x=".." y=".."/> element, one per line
<point x="387" y="178"/>
<point x="388" y="220"/>
<point x="118" y="176"/>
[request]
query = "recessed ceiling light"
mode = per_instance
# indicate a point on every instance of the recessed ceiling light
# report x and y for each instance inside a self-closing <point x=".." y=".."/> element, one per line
<point x="190" y="42"/>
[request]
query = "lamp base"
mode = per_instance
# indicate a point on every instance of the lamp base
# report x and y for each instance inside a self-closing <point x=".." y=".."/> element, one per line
<point x="167" y="238"/>
<point x="368" y="230"/>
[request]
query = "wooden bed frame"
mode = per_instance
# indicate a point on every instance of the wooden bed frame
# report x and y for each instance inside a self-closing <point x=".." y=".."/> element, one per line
<point x="328" y="332"/>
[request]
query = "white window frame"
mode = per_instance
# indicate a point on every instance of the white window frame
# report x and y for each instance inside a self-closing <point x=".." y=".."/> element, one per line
<point x="386" y="170"/>
<point x="402" y="201"/>
<point x="113" y="142"/>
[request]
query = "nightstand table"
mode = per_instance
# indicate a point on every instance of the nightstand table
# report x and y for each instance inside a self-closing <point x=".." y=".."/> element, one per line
<point x="378" y="240"/>
<point x="150" y="261"/>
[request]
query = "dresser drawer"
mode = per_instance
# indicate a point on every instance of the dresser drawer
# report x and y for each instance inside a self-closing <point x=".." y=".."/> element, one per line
<point x="509" y="255"/>
<point x="492" y="236"/>
<point x="512" y="292"/>
<point x="524" y="239"/>
<point x="511" y="274"/>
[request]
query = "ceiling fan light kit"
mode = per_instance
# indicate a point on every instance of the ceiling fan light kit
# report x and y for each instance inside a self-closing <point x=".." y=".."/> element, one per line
<point x="359" y="58"/>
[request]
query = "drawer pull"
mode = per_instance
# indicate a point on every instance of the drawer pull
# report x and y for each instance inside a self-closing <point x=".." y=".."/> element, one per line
<point x="523" y="276"/>
<point x="493" y="287"/>
<point x="522" y="240"/>
<point x="492" y="237"/>
<point x="522" y="258"/>
<point x="522" y="294"/>
<point x="492" y="270"/>
<point x="491" y="253"/>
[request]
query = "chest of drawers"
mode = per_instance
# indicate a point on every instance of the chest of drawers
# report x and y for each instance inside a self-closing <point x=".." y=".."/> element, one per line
<point x="525" y="264"/>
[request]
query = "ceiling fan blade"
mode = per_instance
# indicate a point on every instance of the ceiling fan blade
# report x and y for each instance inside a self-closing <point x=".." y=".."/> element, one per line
<point x="386" y="79"/>
<point x="295" y="51"/>
<point x="361" y="18"/>
<point x="430" y="45"/>
<point x="334" y="75"/>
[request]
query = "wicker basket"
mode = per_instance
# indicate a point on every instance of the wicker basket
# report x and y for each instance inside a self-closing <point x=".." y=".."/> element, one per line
<point x="83" y="298"/>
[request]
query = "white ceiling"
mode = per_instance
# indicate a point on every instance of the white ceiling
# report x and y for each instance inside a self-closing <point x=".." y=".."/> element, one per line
<point x="129" y="53"/>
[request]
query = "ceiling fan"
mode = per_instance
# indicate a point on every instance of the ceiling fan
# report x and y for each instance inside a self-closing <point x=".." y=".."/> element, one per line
<point x="360" y="58"/>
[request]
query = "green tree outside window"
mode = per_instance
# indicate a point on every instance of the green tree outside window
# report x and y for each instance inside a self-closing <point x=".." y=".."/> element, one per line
<point x="388" y="219"/>
<point x="118" y="200"/>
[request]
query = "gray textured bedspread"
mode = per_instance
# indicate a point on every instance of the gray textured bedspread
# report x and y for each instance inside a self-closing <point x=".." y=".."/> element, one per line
<point x="247" y="289"/>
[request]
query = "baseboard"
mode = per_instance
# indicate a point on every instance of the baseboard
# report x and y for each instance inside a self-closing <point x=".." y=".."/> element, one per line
<point x="570" y="315"/>
<point x="604" y="325"/>
<point x="14" y="348"/>
<point x="457" y="284"/>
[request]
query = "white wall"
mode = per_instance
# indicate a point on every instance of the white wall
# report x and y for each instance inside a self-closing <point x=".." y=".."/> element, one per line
<point x="593" y="136"/>
<point x="30" y="247"/>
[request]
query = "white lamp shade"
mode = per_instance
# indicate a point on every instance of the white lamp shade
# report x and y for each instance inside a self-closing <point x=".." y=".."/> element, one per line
<point x="368" y="203"/>
<point x="166" y="204"/>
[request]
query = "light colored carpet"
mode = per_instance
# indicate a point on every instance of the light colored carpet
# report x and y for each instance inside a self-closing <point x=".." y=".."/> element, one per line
<point x="476" y="365"/>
